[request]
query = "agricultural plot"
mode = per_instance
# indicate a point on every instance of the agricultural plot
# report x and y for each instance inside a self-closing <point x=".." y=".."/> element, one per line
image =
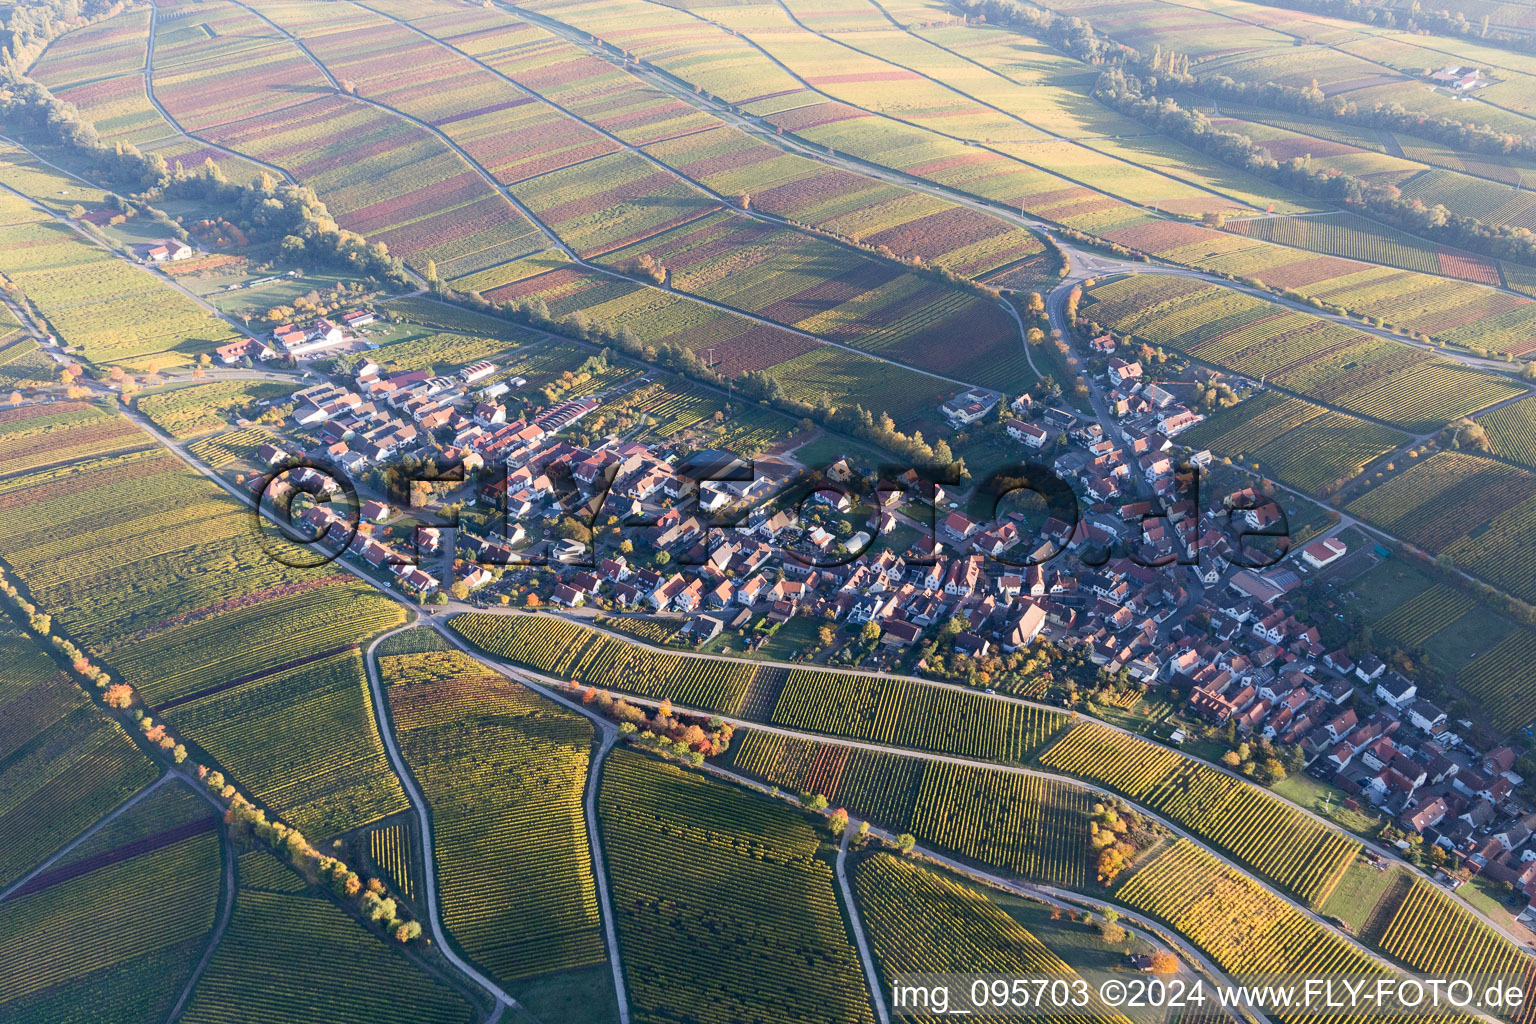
<point x="151" y="568"/>
<point x="865" y="210"/>
<point x="566" y="650"/>
<point x="389" y="848"/>
<point x="610" y="202"/>
<point x="23" y="364"/>
<point x="1328" y="450"/>
<point x="67" y="763"/>
<point x="1432" y="932"/>
<point x="1032" y="827"/>
<point x="1238" y="924"/>
<point x="1503" y="680"/>
<point x="1435" y="502"/>
<point x="1511" y="431"/>
<point x="1423" y="615"/>
<point x="278" y="960"/>
<point x="232" y="446"/>
<point x="1263" y="832"/>
<point x="111" y="311"/>
<point x="872" y="784"/>
<point x="303" y="741"/>
<point x="907" y="713"/>
<point x="1315" y="358"/>
<point x="720" y="898"/>
<point x="503" y="771"/>
<point x="1296" y="442"/>
<point x="204" y="408"/>
<point x="40" y="435"/>
<point x="241" y="84"/>
<point x="921" y="922"/>
<point x="839" y="294"/>
<point x="1354" y="237"/>
<point x="113" y="935"/>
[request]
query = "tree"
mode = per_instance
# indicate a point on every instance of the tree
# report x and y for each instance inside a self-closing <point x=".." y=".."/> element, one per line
<point x="408" y="931"/>
<point x="838" y="821"/>
<point x="871" y="632"/>
<point x="1164" y="962"/>
<point x="1112" y="933"/>
<point x="906" y="842"/>
<point x="15" y="397"/>
<point x="119" y="696"/>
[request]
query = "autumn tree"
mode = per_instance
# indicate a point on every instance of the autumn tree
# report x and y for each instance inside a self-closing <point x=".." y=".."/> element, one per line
<point x="119" y="695"/>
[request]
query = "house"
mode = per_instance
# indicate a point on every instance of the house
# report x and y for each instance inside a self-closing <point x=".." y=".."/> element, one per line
<point x="957" y="526"/>
<point x="1396" y="689"/>
<point x="245" y="348"/>
<point x="357" y="318"/>
<point x="1122" y="372"/>
<point x="970" y="406"/>
<point x="375" y="511"/>
<point x="1425" y="715"/>
<point x="1369" y="668"/>
<point x="1323" y="552"/>
<point x="477" y="371"/>
<point x="1031" y="435"/>
<point x="170" y="249"/>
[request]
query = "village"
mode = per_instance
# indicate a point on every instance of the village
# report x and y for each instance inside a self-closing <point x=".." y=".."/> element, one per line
<point x="1155" y="589"/>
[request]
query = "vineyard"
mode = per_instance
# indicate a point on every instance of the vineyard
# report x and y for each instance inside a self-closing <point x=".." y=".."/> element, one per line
<point x="1263" y="832"/>
<point x="1433" y="934"/>
<point x="120" y="938"/>
<point x="204" y="408"/>
<point x="1032" y="827"/>
<point x="725" y="909"/>
<point x="1238" y="924"/>
<point x="921" y="922"/>
<point x="1358" y="238"/>
<point x="912" y="714"/>
<point x="66" y="762"/>
<point x="871" y="784"/>
<point x="279" y="961"/>
<point x="1475" y="510"/>
<point x="1296" y="442"/>
<point x="303" y="741"/>
<point x="110" y="310"/>
<point x="1503" y="680"/>
<point x="568" y="651"/>
<point x="41" y="435"/>
<point x="389" y="848"/>
<point x="503" y="771"/>
<point x="1314" y="358"/>
<point x="1511" y="431"/>
<point x="1423" y="615"/>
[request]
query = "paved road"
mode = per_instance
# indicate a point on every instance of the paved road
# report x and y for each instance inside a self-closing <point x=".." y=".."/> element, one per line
<point x="608" y="732"/>
<point x="424" y="822"/>
<point x="860" y="939"/>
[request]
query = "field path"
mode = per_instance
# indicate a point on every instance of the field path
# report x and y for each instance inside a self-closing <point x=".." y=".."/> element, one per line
<point x="871" y="975"/>
<point x="226" y="900"/>
<point x="557" y="243"/>
<point x="102" y="823"/>
<point x="437" y="618"/>
<point x="552" y="686"/>
<point x="1093" y="263"/>
<point x="424" y="820"/>
<point x="149" y="91"/>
